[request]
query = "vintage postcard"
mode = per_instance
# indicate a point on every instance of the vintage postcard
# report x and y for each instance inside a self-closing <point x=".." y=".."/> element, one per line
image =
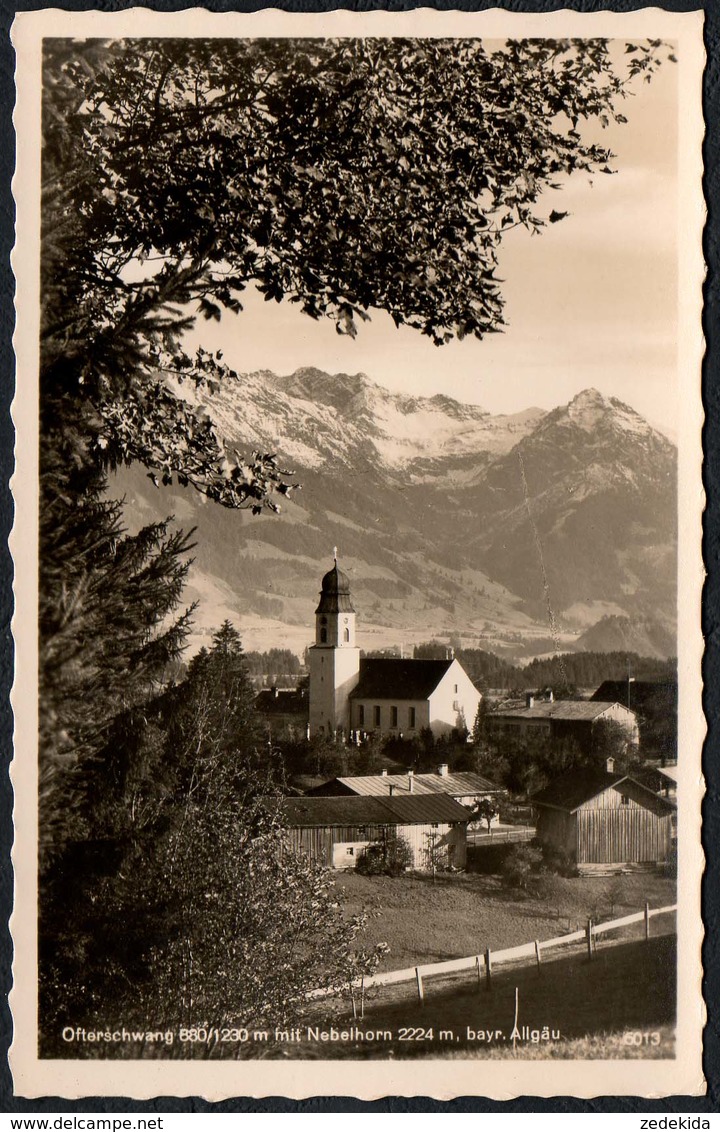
<point x="358" y="554"/>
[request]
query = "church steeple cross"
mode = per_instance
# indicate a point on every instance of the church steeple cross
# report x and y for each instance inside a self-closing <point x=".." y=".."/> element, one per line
<point x="335" y="554"/>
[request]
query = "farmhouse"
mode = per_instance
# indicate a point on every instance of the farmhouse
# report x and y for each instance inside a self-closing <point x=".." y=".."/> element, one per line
<point x="336" y="831"/>
<point x="561" y="719"/>
<point x="655" y="704"/>
<point x="385" y="696"/>
<point x="603" y="818"/>
<point x="284" y="712"/>
<point x="465" y="787"/>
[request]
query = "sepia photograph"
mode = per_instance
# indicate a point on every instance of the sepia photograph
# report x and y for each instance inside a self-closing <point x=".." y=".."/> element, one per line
<point x="358" y="693"/>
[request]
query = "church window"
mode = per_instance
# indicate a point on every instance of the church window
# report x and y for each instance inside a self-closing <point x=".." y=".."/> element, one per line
<point x="347" y="634"/>
<point x="411" y="717"/>
<point x="393" y="717"/>
<point x="323" y="636"/>
<point x="456" y="689"/>
<point x="361" y="715"/>
<point x="377" y="715"/>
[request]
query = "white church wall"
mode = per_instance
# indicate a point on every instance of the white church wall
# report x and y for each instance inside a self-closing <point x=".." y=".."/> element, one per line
<point x="363" y="716"/>
<point x="454" y="702"/>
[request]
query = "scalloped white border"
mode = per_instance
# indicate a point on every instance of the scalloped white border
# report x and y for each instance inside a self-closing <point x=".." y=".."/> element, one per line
<point x="366" y="1080"/>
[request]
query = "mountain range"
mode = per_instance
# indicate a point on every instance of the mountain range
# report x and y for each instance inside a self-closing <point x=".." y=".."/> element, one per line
<point x="509" y="532"/>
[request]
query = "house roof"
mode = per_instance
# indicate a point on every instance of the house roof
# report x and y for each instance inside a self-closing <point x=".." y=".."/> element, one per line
<point x="356" y="810"/>
<point x="384" y="678"/>
<point x="282" y="702"/>
<point x="657" y="778"/>
<point x="378" y="785"/>
<point x="573" y="789"/>
<point x="558" y="709"/>
<point x="642" y="693"/>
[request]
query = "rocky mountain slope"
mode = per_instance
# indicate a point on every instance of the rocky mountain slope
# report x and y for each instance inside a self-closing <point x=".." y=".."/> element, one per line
<point x="448" y="519"/>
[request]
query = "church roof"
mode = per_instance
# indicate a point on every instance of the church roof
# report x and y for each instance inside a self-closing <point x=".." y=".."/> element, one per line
<point x="335" y="592"/>
<point x="383" y="678"/>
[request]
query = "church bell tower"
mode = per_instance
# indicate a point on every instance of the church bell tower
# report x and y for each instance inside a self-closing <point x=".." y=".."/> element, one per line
<point x="334" y="658"/>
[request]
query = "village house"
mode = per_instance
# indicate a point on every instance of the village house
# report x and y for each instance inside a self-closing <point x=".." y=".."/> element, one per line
<point x="336" y="830"/>
<point x="386" y="696"/>
<point x="561" y="719"/>
<point x="655" y="703"/>
<point x="603" y="818"/>
<point x="465" y="787"/>
<point x="284" y="712"/>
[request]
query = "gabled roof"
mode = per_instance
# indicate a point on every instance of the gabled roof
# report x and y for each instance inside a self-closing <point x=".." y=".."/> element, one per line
<point x="282" y="702"/>
<point x="642" y="693"/>
<point x="657" y="778"/>
<point x="386" y="678"/>
<point x="354" y="810"/>
<point x="557" y="709"/>
<point x="573" y="789"/>
<point x="378" y="785"/>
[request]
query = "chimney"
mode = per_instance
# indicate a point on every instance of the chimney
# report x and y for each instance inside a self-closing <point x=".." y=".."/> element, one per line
<point x="384" y="773"/>
<point x="610" y="765"/>
<point x="550" y="696"/>
<point x="411" y="781"/>
<point x="391" y="789"/>
<point x="443" y="770"/>
<point x="529" y="700"/>
<point x="274" y="692"/>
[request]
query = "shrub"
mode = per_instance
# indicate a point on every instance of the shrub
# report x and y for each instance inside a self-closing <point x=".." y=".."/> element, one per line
<point x="521" y="868"/>
<point x="386" y="858"/>
<point x="558" y="861"/>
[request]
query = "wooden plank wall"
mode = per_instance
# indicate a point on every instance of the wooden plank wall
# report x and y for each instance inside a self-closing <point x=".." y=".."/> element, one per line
<point x="318" y="842"/>
<point x="556" y="828"/>
<point x="626" y="834"/>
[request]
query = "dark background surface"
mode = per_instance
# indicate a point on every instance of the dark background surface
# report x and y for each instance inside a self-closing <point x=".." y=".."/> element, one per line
<point x="711" y="604"/>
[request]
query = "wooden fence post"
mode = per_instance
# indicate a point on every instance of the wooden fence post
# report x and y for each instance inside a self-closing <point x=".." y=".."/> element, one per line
<point x="488" y="968"/>
<point x="421" y="993"/>
<point x="589" y="935"/>
<point x="647" y="920"/>
<point x="478" y="964"/>
<point x="537" y="953"/>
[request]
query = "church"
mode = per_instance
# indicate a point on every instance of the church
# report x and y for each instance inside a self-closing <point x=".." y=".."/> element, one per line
<point x="398" y="697"/>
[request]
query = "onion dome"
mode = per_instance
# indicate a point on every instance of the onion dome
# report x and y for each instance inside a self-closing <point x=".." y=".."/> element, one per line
<point x="335" y="592"/>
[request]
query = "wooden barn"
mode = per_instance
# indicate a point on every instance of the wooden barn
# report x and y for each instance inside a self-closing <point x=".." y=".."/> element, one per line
<point x="336" y="831"/>
<point x="603" y="818"/>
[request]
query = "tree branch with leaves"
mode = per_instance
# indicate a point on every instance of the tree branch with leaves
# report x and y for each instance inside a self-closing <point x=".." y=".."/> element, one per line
<point x="340" y="175"/>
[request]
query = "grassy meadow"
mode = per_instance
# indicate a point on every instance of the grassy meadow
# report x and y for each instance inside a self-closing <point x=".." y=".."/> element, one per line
<point x="619" y="1005"/>
<point x="464" y="913"/>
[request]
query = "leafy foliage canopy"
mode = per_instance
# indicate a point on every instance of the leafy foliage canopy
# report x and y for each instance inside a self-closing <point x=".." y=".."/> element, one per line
<point x="341" y="175"/>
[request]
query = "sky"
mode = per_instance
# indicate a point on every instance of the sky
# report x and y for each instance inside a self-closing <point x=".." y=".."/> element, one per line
<point x="590" y="302"/>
